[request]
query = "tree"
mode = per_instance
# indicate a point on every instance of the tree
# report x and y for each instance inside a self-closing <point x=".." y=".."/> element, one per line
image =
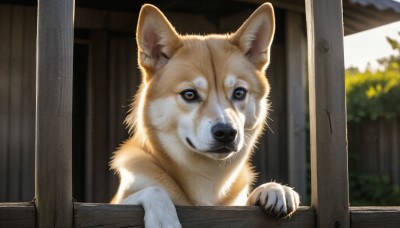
<point x="392" y="63"/>
<point x="375" y="94"/>
<point x="372" y="95"/>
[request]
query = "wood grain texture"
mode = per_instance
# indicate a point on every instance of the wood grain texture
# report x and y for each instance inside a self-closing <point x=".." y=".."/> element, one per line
<point x="375" y="143"/>
<point x="17" y="215"/>
<point x="53" y="178"/>
<point x="106" y="215"/>
<point x="375" y="217"/>
<point x="328" y="133"/>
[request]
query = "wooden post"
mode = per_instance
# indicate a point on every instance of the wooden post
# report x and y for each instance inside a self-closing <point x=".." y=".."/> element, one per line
<point x="328" y="134"/>
<point x="296" y="106"/>
<point x="53" y="178"/>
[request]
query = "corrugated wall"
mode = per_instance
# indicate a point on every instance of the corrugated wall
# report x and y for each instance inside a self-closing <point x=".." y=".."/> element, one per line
<point x="17" y="102"/>
<point x="113" y="79"/>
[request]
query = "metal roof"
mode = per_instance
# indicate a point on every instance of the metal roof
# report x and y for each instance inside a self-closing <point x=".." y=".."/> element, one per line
<point x="380" y="4"/>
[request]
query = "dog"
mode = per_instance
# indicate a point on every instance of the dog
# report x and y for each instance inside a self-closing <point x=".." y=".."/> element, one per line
<point x="199" y="111"/>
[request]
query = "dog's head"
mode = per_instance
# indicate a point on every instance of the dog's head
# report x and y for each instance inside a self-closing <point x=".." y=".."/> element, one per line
<point x="203" y="94"/>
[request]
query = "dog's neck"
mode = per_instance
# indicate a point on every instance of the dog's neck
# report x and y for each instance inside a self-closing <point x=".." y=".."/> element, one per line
<point x="210" y="187"/>
<point x="207" y="180"/>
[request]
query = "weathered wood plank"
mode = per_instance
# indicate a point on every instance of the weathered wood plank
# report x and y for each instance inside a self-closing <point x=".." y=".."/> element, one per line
<point x="106" y="215"/>
<point x="375" y="217"/>
<point x="376" y="147"/>
<point x="19" y="215"/>
<point x="296" y="102"/>
<point x="328" y="134"/>
<point x="91" y="215"/>
<point x="53" y="178"/>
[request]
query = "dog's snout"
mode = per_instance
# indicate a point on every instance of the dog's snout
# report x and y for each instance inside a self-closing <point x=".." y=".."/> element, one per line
<point x="224" y="133"/>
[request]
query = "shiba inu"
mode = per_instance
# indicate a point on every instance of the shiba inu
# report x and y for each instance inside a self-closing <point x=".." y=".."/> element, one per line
<point x="201" y="106"/>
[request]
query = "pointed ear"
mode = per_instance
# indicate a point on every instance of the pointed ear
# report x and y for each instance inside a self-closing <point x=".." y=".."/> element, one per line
<point x="255" y="36"/>
<point x="157" y="40"/>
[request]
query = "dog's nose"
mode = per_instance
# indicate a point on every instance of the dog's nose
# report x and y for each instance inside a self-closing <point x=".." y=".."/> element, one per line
<point x="223" y="133"/>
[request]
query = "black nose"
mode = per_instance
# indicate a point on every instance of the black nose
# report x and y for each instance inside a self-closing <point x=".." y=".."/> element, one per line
<point x="223" y="133"/>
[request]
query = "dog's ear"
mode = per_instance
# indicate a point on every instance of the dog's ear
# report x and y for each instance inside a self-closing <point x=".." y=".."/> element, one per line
<point x="255" y="36"/>
<point x="157" y="40"/>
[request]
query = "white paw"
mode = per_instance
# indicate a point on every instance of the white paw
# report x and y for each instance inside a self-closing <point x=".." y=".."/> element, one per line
<point x="159" y="211"/>
<point x="276" y="199"/>
<point x="161" y="217"/>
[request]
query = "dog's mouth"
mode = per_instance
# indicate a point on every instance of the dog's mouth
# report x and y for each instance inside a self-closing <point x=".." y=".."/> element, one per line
<point x="223" y="150"/>
<point x="190" y="143"/>
<point x="219" y="149"/>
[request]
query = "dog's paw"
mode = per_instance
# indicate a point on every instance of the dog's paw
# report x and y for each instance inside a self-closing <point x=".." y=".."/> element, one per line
<point x="276" y="199"/>
<point x="159" y="210"/>
<point x="161" y="218"/>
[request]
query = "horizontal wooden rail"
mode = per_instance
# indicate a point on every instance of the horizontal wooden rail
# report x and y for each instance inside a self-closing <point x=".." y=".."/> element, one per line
<point x="19" y="215"/>
<point x="373" y="217"/>
<point x="106" y="215"/>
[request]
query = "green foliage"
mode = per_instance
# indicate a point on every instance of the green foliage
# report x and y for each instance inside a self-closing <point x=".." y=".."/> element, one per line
<point x="368" y="190"/>
<point x="375" y="94"/>
<point x="371" y="95"/>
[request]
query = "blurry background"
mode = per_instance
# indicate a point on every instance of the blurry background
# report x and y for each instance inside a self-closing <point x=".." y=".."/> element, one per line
<point x="106" y="77"/>
<point x="372" y="62"/>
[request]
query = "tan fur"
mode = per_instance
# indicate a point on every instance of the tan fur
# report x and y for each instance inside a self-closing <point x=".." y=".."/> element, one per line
<point x="155" y="155"/>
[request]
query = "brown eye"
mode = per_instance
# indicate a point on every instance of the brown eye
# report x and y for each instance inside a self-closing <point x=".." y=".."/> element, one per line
<point x="190" y="95"/>
<point x="239" y="94"/>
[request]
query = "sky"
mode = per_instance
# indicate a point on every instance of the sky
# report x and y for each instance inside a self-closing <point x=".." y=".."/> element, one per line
<point x="367" y="46"/>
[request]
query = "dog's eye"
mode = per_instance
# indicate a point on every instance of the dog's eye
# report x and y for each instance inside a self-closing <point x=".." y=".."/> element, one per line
<point x="239" y="94"/>
<point x="190" y="95"/>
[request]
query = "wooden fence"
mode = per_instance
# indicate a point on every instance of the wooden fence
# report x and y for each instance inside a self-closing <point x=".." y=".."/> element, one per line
<point x="375" y="148"/>
<point x="54" y="207"/>
<point x="106" y="215"/>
